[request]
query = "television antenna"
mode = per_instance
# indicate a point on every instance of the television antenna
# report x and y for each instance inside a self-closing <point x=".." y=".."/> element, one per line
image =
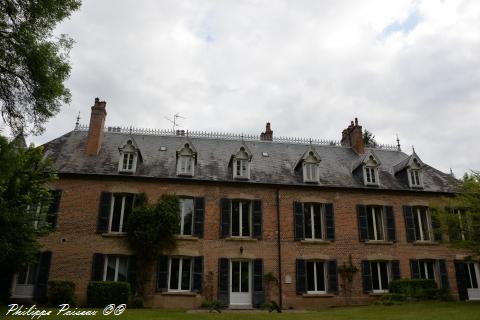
<point x="174" y="121"/>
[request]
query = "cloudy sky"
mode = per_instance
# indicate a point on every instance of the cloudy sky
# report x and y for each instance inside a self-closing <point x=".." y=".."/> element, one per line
<point x="308" y="67"/>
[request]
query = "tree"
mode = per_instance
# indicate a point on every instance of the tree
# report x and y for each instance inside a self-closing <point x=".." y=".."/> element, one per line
<point x="33" y="65"/>
<point x="24" y="174"/>
<point x="369" y="139"/>
<point x="151" y="231"/>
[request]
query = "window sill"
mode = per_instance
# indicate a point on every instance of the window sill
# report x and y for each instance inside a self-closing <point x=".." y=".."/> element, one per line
<point x="247" y="239"/>
<point x="179" y="293"/>
<point x="114" y="234"/>
<point x="318" y="295"/>
<point x="425" y="243"/>
<point x="380" y="242"/>
<point x="310" y="182"/>
<point x="241" y="178"/>
<point x="315" y="241"/>
<point x="185" y="175"/>
<point x="126" y="172"/>
<point x="186" y="238"/>
<point x="377" y="294"/>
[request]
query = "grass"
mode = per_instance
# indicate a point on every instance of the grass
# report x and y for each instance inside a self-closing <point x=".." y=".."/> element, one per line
<point x="414" y="311"/>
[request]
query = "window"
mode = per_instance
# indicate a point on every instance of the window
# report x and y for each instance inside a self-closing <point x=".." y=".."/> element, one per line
<point x="241" y="169"/>
<point x="121" y="207"/>
<point x="380" y="276"/>
<point x="314" y="221"/>
<point x="427" y="269"/>
<point x="179" y="274"/>
<point x="316" y="277"/>
<point x="38" y="213"/>
<point x="423" y="224"/>
<point x="370" y="176"/>
<point x="127" y="164"/>
<point x="115" y="268"/>
<point x="241" y="218"/>
<point x="240" y="276"/>
<point x="415" y="178"/>
<point x="241" y="163"/>
<point x="463" y="230"/>
<point x="310" y="172"/>
<point x="414" y="173"/>
<point x="473" y="275"/>
<point x="128" y="158"/>
<point x="186" y="216"/>
<point x="370" y="170"/>
<point x="185" y="166"/>
<point x="27" y="275"/>
<point x="376" y="223"/>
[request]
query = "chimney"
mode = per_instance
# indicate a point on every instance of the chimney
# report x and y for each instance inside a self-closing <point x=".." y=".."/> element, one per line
<point x="268" y="134"/>
<point x="353" y="137"/>
<point x="95" y="130"/>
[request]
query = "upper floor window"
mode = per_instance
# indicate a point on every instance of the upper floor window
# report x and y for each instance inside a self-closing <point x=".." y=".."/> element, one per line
<point x="186" y="216"/>
<point x="376" y="223"/>
<point x="241" y="164"/>
<point x="314" y="221"/>
<point x="128" y="157"/>
<point x="121" y="206"/>
<point x="186" y="160"/>
<point x="310" y="166"/>
<point x="459" y="227"/>
<point x="370" y="172"/>
<point x="423" y="223"/>
<point x="415" y="175"/>
<point x="241" y="218"/>
<point x="44" y="213"/>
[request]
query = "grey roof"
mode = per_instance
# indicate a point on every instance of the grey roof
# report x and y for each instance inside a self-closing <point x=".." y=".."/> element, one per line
<point x="214" y="154"/>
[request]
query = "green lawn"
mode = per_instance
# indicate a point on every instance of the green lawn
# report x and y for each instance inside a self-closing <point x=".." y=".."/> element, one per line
<point x="416" y="311"/>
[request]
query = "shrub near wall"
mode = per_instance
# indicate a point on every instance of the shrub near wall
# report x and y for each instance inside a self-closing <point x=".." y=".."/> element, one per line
<point x="103" y="293"/>
<point x="61" y="291"/>
<point x="415" y="289"/>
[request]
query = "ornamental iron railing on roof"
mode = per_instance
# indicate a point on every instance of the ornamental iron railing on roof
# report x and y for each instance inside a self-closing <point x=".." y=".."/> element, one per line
<point x="223" y="136"/>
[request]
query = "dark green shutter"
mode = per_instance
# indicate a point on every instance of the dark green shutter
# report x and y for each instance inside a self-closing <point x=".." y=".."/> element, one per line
<point x="104" y="212"/>
<point x="390" y="219"/>
<point x="395" y="269"/>
<point x="461" y="276"/>
<point x="199" y="217"/>
<point x="129" y="203"/>
<point x="40" y="292"/>
<point x="409" y="223"/>
<point x="258" y="293"/>
<point x="98" y="266"/>
<point x="442" y="266"/>
<point x="197" y="274"/>
<point x="225" y="208"/>
<point x="257" y="219"/>
<point x="362" y="222"/>
<point x="332" y="276"/>
<point x="162" y="274"/>
<point x="436" y="227"/>
<point x="223" y="277"/>
<point x="414" y="269"/>
<point x="329" y="221"/>
<point x="301" y="276"/>
<point x="52" y="213"/>
<point x="132" y="273"/>
<point x="366" y="276"/>
<point x="298" y="220"/>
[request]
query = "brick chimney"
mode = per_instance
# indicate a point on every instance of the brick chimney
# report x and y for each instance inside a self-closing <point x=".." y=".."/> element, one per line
<point x="268" y="134"/>
<point x="353" y="137"/>
<point x="95" y="130"/>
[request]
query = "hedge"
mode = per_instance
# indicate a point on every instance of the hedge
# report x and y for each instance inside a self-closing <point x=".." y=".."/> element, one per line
<point x="103" y="293"/>
<point x="61" y="291"/>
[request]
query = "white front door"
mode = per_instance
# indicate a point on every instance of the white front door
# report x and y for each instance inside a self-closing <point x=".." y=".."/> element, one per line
<point x="240" y="283"/>
<point x="473" y="280"/>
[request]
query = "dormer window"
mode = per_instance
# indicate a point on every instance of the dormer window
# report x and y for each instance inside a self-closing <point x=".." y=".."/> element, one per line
<point x="309" y="166"/>
<point x="128" y="157"/>
<point x="310" y="172"/>
<point x="415" y="178"/>
<point x="241" y="164"/>
<point x="370" y="171"/>
<point x="186" y="160"/>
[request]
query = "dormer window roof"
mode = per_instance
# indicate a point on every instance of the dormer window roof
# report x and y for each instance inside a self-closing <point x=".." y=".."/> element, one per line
<point x="370" y="164"/>
<point x="129" y="156"/>
<point x="413" y="167"/>
<point x="241" y="161"/>
<point x="310" y="161"/>
<point x="186" y="159"/>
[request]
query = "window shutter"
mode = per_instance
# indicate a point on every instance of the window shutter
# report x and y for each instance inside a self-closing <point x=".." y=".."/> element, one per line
<point x="198" y="217"/>
<point x="332" y="276"/>
<point x="97" y="266"/>
<point x="40" y="292"/>
<point x="298" y="220"/>
<point x="52" y="214"/>
<point x="129" y="204"/>
<point x="436" y="228"/>
<point x="366" y="276"/>
<point x="258" y="293"/>
<point x="414" y="269"/>
<point x="329" y="221"/>
<point x="225" y="207"/>
<point x="162" y="274"/>
<point x="442" y="266"/>
<point x="390" y="219"/>
<point x="104" y="212"/>
<point x="409" y="224"/>
<point x="132" y="273"/>
<point x="461" y="276"/>
<point x="395" y="269"/>
<point x="362" y="222"/>
<point x="257" y="219"/>
<point x="223" y="277"/>
<point x="197" y="274"/>
<point x="301" y="276"/>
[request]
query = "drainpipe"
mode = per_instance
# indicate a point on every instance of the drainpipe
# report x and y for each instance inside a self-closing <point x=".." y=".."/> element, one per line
<point x="279" y="247"/>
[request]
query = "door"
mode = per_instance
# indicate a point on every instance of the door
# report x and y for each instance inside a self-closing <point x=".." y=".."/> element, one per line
<point x="240" y="283"/>
<point x="473" y="277"/>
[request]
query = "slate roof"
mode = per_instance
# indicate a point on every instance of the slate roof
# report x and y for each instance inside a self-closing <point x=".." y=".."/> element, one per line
<point x="213" y="156"/>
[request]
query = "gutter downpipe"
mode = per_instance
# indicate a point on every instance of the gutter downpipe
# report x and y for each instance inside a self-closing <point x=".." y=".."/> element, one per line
<point x="279" y="247"/>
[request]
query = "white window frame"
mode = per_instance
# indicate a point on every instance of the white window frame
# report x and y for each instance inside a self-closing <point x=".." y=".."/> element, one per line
<point x="122" y="161"/>
<point x="325" y="278"/>
<point x="38" y="217"/>
<point x="186" y="158"/>
<point x="413" y="182"/>
<point x="122" y="212"/>
<point x="312" y="216"/>
<point x="182" y="215"/>
<point x="476" y="269"/>
<point x="374" y="220"/>
<point x="464" y="224"/>
<point x="240" y="217"/>
<point x="372" y="172"/>
<point x="117" y="264"/>
<point x="180" y="267"/>
<point x="244" y="174"/>
<point x="307" y="176"/>
<point x="379" y="275"/>
<point x="417" y="216"/>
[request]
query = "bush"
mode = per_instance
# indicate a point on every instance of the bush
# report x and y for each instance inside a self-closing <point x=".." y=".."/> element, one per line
<point x="61" y="291"/>
<point x="137" y="302"/>
<point x="389" y="299"/>
<point x="416" y="289"/>
<point x="103" y="293"/>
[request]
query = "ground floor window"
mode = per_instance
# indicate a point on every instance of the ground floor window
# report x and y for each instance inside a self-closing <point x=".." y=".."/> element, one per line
<point x="316" y="277"/>
<point x="179" y="274"/>
<point x="472" y="275"/>
<point x="427" y="269"/>
<point x="380" y="276"/>
<point x="115" y="268"/>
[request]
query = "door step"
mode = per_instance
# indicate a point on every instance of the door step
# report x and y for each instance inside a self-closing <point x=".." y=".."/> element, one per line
<point x="241" y="307"/>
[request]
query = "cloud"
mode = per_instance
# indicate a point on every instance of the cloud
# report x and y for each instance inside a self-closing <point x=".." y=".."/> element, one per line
<point x="308" y="67"/>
